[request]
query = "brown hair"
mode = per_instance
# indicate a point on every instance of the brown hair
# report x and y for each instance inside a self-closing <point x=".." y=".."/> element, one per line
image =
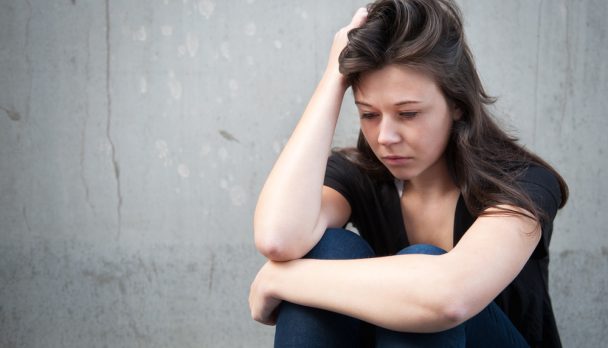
<point x="428" y="35"/>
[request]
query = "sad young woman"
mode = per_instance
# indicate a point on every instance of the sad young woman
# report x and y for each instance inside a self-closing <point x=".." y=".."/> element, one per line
<point x="454" y="217"/>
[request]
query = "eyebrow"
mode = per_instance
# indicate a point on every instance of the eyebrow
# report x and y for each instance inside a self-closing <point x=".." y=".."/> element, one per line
<point x="396" y="104"/>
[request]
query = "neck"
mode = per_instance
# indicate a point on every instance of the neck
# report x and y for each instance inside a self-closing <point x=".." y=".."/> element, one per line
<point x="432" y="183"/>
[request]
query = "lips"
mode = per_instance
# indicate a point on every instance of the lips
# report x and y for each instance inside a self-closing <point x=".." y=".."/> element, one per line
<point x="395" y="157"/>
<point x="396" y="160"/>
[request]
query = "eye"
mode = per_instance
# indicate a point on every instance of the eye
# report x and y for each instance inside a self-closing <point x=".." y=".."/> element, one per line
<point x="368" y="115"/>
<point x="408" y="114"/>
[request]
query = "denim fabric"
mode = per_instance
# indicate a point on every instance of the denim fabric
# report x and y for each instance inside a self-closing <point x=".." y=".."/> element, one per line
<point x="306" y="327"/>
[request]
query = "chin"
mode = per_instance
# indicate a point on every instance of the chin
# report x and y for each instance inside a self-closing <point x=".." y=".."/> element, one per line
<point x="402" y="174"/>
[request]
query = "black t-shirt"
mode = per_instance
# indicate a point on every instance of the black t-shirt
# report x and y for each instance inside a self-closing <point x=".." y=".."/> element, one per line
<point x="376" y="213"/>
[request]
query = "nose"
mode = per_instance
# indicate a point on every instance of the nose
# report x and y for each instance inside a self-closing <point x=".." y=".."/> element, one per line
<point x="388" y="133"/>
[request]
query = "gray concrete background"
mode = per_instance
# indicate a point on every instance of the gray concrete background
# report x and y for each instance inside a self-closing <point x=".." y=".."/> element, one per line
<point x="135" y="136"/>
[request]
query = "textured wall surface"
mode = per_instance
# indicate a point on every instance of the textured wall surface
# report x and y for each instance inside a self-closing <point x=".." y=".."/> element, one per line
<point x="135" y="136"/>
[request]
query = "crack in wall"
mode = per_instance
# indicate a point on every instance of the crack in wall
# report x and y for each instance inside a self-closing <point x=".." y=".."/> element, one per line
<point x="28" y="59"/>
<point x="109" y="121"/>
<point x="211" y="271"/>
<point x="83" y="178"/>
<point x="26" y="220"/>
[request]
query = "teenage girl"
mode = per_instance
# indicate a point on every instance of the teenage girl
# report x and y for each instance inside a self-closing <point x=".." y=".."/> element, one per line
<point x="454" y="218"/>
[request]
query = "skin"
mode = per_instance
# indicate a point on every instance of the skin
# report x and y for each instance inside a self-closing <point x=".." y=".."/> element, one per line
<point x="405" y="115"/>
<point x="413" y="293"/>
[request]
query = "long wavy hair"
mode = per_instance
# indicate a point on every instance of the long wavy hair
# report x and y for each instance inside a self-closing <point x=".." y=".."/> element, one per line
<point x="428" y="35"/>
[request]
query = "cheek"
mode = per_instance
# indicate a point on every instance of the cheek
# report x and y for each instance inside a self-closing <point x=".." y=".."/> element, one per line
<point x="434" y="138"/>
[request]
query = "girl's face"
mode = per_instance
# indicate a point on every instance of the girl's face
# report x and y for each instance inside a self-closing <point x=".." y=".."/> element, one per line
<point x="405" y="119"/>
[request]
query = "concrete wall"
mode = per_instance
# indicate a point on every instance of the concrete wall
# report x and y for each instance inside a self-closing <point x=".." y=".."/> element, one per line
<point x="135" y="136"/>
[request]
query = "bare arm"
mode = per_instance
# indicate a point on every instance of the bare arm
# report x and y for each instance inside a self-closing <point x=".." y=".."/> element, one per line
<point x="288" y="219"/>
<point x="414" y="293"/>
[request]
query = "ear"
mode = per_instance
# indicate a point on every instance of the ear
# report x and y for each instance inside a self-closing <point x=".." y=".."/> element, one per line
<point x="456" y="113"/>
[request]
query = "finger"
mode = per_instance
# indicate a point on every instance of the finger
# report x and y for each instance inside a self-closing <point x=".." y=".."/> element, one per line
<point x="359" y="18"/>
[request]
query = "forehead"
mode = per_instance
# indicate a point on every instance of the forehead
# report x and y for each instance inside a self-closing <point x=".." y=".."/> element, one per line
<point x="396" y="82"/>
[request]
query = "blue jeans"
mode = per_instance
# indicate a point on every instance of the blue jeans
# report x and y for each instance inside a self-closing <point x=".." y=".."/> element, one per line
<point x="299" y="326"/>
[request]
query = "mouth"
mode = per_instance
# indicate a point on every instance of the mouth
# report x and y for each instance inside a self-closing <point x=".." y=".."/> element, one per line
<point x="396" y="160"/>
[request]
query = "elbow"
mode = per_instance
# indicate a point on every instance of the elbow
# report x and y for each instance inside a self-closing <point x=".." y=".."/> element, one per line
<point x="433" y="318"/>
<point x="452" y="307"/>
<point x="453" y="303"/>
<point x="452" y="314"/>
<point x="442" y="314"/>
<point x="436" y="315"/>
<point x="276" y="250"/>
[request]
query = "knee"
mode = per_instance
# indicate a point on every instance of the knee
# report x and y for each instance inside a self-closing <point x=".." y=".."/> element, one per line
<point x="338" y="243"/>
<point x="427" y="249"/>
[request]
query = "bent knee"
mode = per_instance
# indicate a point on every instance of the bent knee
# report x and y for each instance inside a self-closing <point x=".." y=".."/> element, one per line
<point x="339" y="244"/>
<point x="426" y="249"/>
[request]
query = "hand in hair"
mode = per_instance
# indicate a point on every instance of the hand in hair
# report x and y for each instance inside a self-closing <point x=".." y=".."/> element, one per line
<point x="341" y="39"/>
<point x="283" y="230"/>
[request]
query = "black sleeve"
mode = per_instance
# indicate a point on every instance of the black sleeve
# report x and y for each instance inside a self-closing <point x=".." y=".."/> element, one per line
<point x="341" y="175"/>
<point x="543" y="189"/>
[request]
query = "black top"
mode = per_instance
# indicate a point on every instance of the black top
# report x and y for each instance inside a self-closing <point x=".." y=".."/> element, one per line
<point x="376" y="213"/>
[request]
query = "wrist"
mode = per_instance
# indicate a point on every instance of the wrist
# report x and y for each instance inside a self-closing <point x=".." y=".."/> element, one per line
<point x="272" y="271"/>
<point x="334" y="77"/>
<point x="277" y="278"/>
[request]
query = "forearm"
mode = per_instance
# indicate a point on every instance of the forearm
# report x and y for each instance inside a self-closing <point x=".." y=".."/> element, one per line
<point x="296" y="179"/>
<point x="404" y="293"/>
<point x="412" y="293"/>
